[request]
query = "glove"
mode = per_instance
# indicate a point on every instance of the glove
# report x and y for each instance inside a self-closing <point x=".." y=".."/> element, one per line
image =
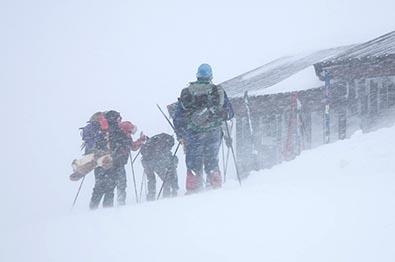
<point x="225" y="115"/>
<point x="180" y="139"/>
<point x="137" y="144"/>
<point x="143" y="138"/>
<point x="228" y="141"/>
<point x="183" y="143"/>
<point x="220" y="113"/>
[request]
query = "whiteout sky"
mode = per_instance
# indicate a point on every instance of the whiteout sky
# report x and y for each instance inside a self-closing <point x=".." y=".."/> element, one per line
<point x="61" y="61"/>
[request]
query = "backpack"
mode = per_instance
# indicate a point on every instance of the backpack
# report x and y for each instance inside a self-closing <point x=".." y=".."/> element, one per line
<point x="203" y="103"/>
<point x="94" y="134"/>
<point x="157" y="145"/>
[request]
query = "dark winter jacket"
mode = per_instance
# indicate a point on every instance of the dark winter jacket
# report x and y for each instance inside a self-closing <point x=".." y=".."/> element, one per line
<point x="120" y="145"/>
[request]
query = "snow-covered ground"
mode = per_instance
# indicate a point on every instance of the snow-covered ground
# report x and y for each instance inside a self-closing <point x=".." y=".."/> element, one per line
<point x="334" y="203"/>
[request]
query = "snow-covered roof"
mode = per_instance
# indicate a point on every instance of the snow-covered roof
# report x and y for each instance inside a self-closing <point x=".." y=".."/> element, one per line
<point x="278" y="70"/>
<point x="378" y="47"/>
<point x="302" y="80"/>
<point x="292" y="73"/>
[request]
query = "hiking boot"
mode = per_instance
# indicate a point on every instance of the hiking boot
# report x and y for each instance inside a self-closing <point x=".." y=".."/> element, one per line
<point x="194" y="182"/>
<point x="151" y="196"/>
<point x="166" y="193"/>
<point x="174" y="193"/>
<point x="215" y="179"/>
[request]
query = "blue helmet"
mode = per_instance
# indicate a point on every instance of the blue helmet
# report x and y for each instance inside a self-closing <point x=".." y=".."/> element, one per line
<point x="204" y="72"/>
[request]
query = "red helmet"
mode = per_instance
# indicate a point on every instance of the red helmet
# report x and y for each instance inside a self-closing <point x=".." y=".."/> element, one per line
<point x="128" y="127"/>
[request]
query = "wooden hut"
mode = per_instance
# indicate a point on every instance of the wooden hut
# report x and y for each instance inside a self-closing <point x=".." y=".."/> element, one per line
<point x="286" y="106"/>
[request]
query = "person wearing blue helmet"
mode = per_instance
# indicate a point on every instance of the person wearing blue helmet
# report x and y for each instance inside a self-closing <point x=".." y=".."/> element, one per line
<point x="201" y="110"/>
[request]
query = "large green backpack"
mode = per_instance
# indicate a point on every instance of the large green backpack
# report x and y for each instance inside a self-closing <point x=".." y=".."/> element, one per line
<point x="203" y="103"/>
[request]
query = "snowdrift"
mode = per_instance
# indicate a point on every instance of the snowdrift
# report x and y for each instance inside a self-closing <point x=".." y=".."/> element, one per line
<point x="334" y="203"/>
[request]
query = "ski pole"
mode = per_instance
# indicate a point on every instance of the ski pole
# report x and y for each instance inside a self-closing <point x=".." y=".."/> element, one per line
<point x="141" y="186"/>
<point x="166" y="175"/>
<point x="227" y="156"/>
<point x="135" y="157"/>
<point x="168" y="120"/>
<point x="175" y="152"/>
<point x="223" y="159"/>
<point x="78" y="192"/>
<point x="134" y="177"/>
<point x="233" y="154"/>
<point x="226" y="163"/>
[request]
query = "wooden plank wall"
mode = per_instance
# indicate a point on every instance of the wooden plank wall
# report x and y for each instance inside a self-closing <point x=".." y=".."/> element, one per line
<point x="360" y="104"/>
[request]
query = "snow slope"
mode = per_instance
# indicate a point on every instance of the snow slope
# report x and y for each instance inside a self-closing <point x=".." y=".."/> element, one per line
<point x="334" y="203"/>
